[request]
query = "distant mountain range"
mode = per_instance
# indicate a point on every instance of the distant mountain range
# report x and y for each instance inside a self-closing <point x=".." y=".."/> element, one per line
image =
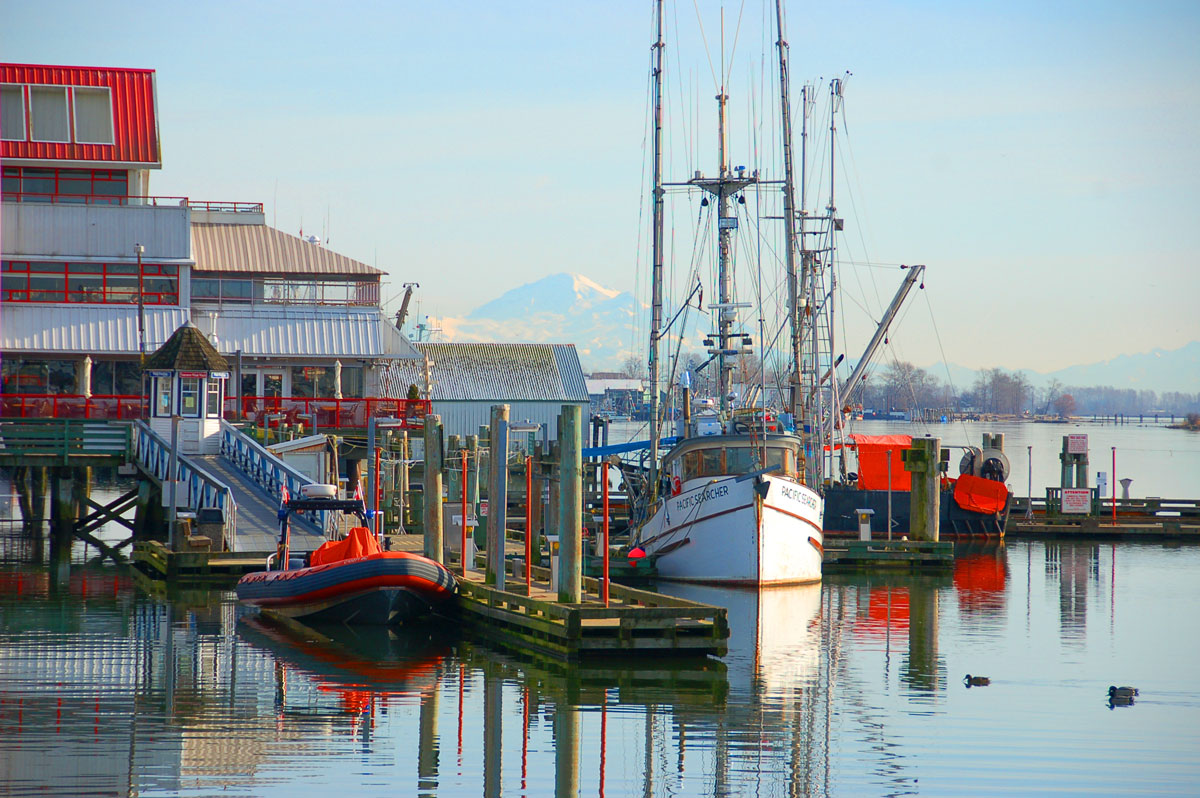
<point x="605" y="325"/>
<point x="1158" y="370"/>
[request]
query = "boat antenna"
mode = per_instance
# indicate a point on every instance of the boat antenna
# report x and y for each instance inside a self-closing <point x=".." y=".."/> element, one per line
<point x="657" y="255"/>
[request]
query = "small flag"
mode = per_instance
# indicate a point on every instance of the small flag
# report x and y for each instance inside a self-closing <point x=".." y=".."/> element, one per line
<point x="283" y="502"/>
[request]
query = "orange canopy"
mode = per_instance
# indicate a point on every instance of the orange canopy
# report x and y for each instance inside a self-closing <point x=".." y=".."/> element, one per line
<point x="359" y="543"/>
<point x="979" y="494"/>
<point x="873" y="461"/>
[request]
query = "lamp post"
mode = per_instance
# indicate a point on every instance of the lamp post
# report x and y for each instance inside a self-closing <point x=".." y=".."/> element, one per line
<point x="139" y="249"/>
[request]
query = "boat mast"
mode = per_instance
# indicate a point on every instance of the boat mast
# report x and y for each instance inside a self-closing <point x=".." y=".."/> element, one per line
<point x="789" y="226"/>
<point x="657" y="245"/>
<point x="835" y="408"/>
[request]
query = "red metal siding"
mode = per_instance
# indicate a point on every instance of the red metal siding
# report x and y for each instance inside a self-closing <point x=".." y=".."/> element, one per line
<point x="135" y="117"/>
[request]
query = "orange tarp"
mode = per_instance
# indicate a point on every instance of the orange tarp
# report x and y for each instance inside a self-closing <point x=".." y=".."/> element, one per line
<point x="873" y="461"/>
<point x="979" y="494"/>
<point x="359" y="543"/>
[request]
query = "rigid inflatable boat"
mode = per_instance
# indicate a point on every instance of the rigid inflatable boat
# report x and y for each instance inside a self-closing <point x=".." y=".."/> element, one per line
<point x="352" y="581"/>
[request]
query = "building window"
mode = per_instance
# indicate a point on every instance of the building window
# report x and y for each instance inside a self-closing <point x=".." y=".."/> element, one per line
<point x="91" y="186"/>
<point x="189" y="397"/>
<point x="96" y="283"/>
<point x="162" y="397"/>
<point x="93" y="115"/>
<point x="48" y="113"/>
<point x="212" y="404"/>
<point x="12" y="113"/>
<point x="312" y="381"/>
<point x="352" y="381"/>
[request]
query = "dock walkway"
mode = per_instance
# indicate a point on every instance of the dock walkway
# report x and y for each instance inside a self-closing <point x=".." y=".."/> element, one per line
<point x="257" y="514"/>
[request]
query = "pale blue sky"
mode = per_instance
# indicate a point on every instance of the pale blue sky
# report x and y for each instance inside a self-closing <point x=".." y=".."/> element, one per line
<point x="1041" y="158"/>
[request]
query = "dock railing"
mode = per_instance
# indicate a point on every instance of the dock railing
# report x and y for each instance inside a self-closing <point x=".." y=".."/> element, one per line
<point x="351" y="413"/>
<point x="267" y="471"/>
<point x="202" y="491"/>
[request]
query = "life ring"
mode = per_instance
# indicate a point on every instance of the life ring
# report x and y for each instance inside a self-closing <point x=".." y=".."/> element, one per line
<point x="676" y="486"/>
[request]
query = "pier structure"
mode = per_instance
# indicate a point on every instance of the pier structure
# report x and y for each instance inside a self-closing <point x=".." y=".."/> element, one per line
<point x="556" y="612"/>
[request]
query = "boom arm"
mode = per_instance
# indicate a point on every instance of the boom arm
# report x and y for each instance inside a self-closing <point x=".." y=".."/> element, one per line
<point x="914" y="274"/>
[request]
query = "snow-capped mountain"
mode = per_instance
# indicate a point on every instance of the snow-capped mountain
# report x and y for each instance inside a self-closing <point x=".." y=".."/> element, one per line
<point x="604" y="324"/>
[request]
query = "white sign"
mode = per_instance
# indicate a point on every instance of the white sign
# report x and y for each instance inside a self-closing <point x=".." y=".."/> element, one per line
<point x="483" y="506"/>
<point x="1077" y="444"/>
<point x="727" y="223"/>
<point x="1102" y="482"/>
<point x="1077" y="500"/>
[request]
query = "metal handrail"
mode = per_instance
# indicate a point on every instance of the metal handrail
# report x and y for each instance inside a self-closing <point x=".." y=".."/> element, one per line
<point x="127" y="407"/>
<point x="223" y="206"/>
<point x="266" y="470"/>
<point x="345" y="413"/>
<point x="95" y="199"/>
<point x="204" y="491"/>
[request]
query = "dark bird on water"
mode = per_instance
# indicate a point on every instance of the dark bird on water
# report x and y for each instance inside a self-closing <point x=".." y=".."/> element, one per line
<point x="1122" y="692"/>
<point x="976" y="681"/>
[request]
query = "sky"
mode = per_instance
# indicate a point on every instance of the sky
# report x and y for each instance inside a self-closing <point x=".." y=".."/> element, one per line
<point x="1041" y="159"/>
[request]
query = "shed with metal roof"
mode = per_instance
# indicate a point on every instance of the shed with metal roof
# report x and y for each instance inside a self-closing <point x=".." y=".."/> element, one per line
<point x="535" y="380"/>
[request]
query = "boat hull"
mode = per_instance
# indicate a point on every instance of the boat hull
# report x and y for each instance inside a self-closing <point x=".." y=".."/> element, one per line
<point x="842" y="504"/>
<point x="381" y="589"/>
<point x="759" y="530"/>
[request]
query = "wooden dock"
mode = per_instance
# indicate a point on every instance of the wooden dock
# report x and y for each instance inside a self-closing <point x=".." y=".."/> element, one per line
<point x="195" y="567"/>
<point x="913" y="555"/>
<point x="636" y="622"/>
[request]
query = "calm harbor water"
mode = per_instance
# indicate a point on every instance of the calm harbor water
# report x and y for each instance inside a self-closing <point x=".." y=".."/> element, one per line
<point x="848" y="688"/>
<point x="852" y="687"/>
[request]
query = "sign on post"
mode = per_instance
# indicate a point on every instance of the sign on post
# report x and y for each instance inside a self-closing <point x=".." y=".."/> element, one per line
<point x="1077" y="500"/>
<point x="1077" y="443"/>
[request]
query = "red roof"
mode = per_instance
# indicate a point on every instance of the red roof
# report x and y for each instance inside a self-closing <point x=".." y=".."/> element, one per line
<point x="134" y="111"/>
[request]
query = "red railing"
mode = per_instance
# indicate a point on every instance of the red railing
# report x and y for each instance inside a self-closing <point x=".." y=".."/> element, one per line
<point x="65" y="405"/>
<point x="327" y="413"/>
<point x="92" y="199"/>
<point x="225" y="207"/>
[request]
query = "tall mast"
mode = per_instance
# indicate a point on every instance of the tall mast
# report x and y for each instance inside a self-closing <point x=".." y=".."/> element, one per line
<point x="835" y="408"/>
<point x="657" y="245"/>
<point x="789" y="227"/>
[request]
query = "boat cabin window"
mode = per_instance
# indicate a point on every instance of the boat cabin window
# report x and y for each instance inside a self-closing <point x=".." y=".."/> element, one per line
<point x="718" y="461"/>
<point x="783" y="458"/>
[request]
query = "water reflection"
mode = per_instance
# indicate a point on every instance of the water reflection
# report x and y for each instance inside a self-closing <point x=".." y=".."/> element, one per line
<point x="846" y="688"/>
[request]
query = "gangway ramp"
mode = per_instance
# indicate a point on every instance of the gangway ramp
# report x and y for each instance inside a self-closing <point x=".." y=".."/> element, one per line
<point x="257" y="514"/>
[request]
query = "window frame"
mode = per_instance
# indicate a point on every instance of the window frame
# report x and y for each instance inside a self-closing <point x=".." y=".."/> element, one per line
<point x="213" y="387"/>
<point x="112" y="123"/>
<point x="162" y="387"/>
<point x="186" y="390"/>
<point x="67" y="109"/>
<point x="24" y="112"/>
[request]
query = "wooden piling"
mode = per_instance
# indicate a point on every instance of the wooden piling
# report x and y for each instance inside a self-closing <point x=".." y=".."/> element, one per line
<point x="497" y="497"/>
<point x="922" y="461"/>
<point x="433" y="487"/>
<point x="473" y="485"/>
<point x="566" y="751"/>
<point x="537" y="522"/>
<point x="570" y="506"/>
<point x="493" y="715"/>
<point x="427" y="748"/>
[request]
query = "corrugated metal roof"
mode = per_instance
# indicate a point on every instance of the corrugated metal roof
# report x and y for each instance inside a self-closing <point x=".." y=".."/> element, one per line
<point x="135" y="116"/>
<point x="266" y="332"/>
<point x="84" y="329"/>
<point x="493" y="372"/>
<point x="262" y="249"/>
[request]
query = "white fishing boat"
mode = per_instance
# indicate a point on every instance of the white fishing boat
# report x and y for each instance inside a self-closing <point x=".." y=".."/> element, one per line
<point x="733" y="507"/>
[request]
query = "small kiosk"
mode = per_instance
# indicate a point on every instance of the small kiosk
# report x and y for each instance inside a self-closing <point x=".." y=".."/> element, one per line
<point x="186" y="378"/>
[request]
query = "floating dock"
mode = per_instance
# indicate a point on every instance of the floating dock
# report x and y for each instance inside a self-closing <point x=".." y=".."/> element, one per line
<point x="861" y="555"/>
<point x="636" y="622"/>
